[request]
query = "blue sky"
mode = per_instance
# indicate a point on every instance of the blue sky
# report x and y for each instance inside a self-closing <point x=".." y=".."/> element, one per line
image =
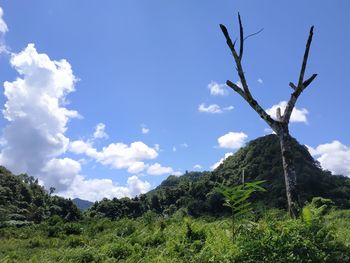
<point x="146" y="65"/>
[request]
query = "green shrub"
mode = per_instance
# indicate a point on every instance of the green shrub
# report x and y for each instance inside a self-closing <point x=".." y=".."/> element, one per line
<point x="54" y="220"/>
<point x="291" y="241"/>
<point x="72" y="229"/>
<point x="83" y="256"/>
<point x="34" y="243"/>
<point x="155" y="239"/>
<point x="53" y="231"/>
<point x="118" y="250"/>
<point x="125" y="228"/>
<point x="99" y="226"/>
<point x="74" y="242"/>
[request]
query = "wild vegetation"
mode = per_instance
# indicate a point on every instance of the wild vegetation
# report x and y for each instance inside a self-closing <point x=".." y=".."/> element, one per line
<point x="184" y="219"/>
<point x="322" y="236"/>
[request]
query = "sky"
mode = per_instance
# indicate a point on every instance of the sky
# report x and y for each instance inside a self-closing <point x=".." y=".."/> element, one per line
<point x="108" y="98"/>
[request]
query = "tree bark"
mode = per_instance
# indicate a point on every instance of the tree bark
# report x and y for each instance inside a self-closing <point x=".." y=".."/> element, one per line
<point x="289" y="171"/>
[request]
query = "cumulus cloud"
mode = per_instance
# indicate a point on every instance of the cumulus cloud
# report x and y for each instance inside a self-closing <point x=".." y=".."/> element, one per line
<point x="197" y="167"/>
<point x="260" y="81"/>
<point x="213" y="108"/>
<point x="157" y="169"/>
<point x="298" y="115"/>
<point x="35" y="112"/>
<point x="65" y="175"/>
<point x="60" y="173"/>
<point x="333" y="156"/>
<point x="34" y="138"/>
<point x="232" y="140"/>
<point x="100" y="132"/>
<point x="96" y="189"/>
<point x="118" y="155"/>
<point x="216" y="165"/>
<point x="3" y="25"/>
<point x="217" y="89"/>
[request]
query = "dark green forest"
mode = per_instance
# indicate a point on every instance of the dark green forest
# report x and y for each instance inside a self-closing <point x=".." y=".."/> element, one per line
<point x="184" y="219"/>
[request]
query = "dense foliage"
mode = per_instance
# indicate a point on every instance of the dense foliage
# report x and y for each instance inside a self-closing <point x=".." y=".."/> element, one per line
<point x="196" y="192"/>
<point x="153" y="238"/>
<point x="24" y="201"/>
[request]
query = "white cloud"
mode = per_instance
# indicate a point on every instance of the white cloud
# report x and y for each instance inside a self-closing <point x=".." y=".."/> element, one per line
<point x="213" y="108"/>
<point x="260" y="81"/>
<point x="96" y="189"/>
<point x="144" y="130"/>
<point x="60" y="173"/>
<point x="137" y="186"/>
<point x="232" y="140"/>
<point x="157" y="147"/>
<point x="269" y="131"/>
<point x="157" y="169"/>
<point x="197" y="167"/>
<point x="35" y="137"/>
<point x="118" y="155"/>
<point x="64" y="175"/>
<point x="298" y="115"/>
<point x="174" y="149"/>
<point x="217" y="89"/>
<point x="177" y="173"/>
<point x="333" y="156"/>
<point x="184" y="145"/>
<point x="216" y="165"/>
<point x="3" y="25"/>
<point x="228" y="108"/>
<point x="100" y="131"/>
<point x="34" y="109"/>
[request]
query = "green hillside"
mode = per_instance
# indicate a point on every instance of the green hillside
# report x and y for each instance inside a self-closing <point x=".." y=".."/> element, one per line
<point x="195" y="192"/>
<point x="261" y="160"/>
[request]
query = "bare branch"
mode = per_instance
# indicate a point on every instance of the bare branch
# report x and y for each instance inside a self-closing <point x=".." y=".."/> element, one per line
<point x="255" y="105"/>
<point x="245" y="92"/>
<point x="292" y="85"/>
<point x="301" y="83"/>
<point x="278" y="114"/>
<point x="236" y="88"/>
<point x="228" y="39"/>
<point x="236" y="58"/>
<point x="254" y="34"/>
<point x="241" y="34"/>
<point x="306" y="54"/>
<point x="309" y="80"/>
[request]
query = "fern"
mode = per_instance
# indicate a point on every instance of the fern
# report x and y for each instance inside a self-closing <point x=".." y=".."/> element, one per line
<point x="237" y="197"/>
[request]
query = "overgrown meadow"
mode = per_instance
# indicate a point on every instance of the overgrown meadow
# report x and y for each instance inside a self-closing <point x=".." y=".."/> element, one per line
<point x="321" y="235"/>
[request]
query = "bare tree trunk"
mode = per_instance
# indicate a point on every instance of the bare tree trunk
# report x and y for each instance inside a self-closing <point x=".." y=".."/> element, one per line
<point x="280" y="126"/>
<point x="289" y="172"/>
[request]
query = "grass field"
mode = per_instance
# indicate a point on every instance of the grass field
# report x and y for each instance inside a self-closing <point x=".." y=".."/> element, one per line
<point x="151" y="238"/>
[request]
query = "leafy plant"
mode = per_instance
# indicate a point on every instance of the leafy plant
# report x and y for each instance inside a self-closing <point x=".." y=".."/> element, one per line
<point x="237" y="199"/>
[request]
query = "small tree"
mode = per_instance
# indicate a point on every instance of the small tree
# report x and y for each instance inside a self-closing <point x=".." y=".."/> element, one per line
<point x="237" y="199"/>
<point x="279" y="126"/>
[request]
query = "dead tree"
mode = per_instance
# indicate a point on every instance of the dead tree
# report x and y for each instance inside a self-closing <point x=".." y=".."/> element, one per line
<point x="280" y="125"/>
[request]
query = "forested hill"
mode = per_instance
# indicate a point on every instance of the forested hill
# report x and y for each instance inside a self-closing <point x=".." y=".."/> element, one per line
<point x="261" y="160"/>
<point x="195" y="192"/>
<point x="24" y="201"/>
